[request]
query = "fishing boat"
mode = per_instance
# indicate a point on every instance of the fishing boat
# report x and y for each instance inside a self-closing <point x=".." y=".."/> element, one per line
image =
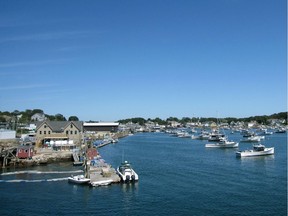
<point x="101" y="183"/>
<point x="258" y="150"/>
<point x="126" y="172"/>
<point x="253" y="139"/>
<point x="223" y="144"/>
<point x="79" y="179"/>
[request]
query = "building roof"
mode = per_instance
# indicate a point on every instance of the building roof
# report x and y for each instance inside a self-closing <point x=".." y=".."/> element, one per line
<point x="99" y="124"/>
<point x="59" y="126"/>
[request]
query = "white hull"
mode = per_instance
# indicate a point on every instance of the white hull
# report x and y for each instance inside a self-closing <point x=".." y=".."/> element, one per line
<point x="101" y="183"/>
<point x="222" y="145"/>
<point x="251" y="153"/>
<point x="128" y="175"/>
<point x="80" y="179"/>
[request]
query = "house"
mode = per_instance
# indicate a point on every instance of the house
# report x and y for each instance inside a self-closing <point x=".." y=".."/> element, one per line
<point x="25" y="152"/>
<point x="38" y="117"/>
<point x="59" y="133"/>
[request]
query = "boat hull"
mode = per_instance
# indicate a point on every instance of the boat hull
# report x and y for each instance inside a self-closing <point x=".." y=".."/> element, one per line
<point x="78" y="179"/>
<point x="252" y="153"/>
<point x="101" y="183"/>
<point x="224" y="145"/>
<point x="127" y="176"/>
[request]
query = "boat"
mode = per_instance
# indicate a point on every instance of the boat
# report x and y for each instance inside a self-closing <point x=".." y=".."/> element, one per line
<point x="203" y="136"/>
<point x="253" y="139"/>
<point x="126" y="172"/>
<point x="223" y="144"/>
<point x="258" y="150"/>
<point x="101" y="183"/>
<point x="280" y="130"/>
<point x="78" y="179"/>
<point x="184" y="135"/>
<point x="77" y="163"/>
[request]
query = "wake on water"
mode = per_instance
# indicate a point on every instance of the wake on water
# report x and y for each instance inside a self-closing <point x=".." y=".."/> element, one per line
<point x="37" y="172"/>
<point x="36" y="180"/>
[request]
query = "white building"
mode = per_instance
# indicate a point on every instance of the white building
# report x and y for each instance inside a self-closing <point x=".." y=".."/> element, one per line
<point x="7" y="134"/>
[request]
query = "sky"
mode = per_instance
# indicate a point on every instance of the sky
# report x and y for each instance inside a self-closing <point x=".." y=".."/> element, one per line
<point x="110" y="60"/>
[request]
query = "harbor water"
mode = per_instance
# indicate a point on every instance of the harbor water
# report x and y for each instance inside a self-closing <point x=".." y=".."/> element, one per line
<point x="177" y="176"/>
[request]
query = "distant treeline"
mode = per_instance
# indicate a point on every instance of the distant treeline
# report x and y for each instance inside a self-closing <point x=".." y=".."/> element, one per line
<point x="259" y="119"/>
<point x="28" y="113"/>
<point x="25" y="116"/>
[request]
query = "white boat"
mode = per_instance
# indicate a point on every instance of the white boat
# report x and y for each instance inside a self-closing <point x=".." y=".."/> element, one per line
<point x="126" y="172"/>
<point x="216" y="137"/>
<point x="101" y="183"/>
<point x="203" y="136"/>
<point x="223" y="144"/>
<point x="258" y="150"/>
<point x="79" y="179"/>
<point x="253" y="139"/>
<point x="184" y="135"/>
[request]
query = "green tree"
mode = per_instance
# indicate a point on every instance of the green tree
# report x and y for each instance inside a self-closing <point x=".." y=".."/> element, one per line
<point x="59" y="117"/>
<point x="73" y="118"/>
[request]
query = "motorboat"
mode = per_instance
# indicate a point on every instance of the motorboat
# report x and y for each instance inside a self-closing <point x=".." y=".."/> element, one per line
<point x="265" y="132"/>
<point x="101" y="183"/>
<point x="126" y="172"/>
<point x="203" y="136"/>
<point x="258" y="150"/>
<point x="253" y="139"/>
<point x="216" y="137"/>
<point x="223" y="144"/>
<point x="184" y="135"/>
<point x="78" y="179"/>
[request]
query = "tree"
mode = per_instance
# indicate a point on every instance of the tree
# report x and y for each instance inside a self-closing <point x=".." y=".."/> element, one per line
<point x="59" y="117"/>
<point x="34" y="111"/>
<point x="73" y="118"/>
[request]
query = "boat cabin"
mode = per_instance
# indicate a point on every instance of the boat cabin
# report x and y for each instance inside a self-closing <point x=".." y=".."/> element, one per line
<point x="259" y="147"/>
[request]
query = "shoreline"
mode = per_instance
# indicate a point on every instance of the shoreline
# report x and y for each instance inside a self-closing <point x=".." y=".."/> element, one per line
<point x="43" y="156"/>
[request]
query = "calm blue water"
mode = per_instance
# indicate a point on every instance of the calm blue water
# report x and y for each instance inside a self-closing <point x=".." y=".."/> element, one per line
<point x="178" y="176"/>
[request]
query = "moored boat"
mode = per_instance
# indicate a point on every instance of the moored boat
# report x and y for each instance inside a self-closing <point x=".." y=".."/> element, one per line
<point x="223" y="144"/>
<point x="79" y="179"/>
<point x="126" y="172"/>
<point x="101" y="183"/>
<point x="253" y="139"/>
<point x="258" y="150"/>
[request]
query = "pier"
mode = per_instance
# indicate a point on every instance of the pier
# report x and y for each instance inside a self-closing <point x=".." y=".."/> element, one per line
<point x="98" y="174"/>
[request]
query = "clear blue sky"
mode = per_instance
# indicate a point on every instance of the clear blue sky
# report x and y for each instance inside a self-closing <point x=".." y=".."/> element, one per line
<point x="110" y="60"/>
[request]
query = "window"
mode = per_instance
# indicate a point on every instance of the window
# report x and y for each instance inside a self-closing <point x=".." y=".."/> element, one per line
<point x="71" y="126"/>
<point x="49" y="132"/>
<point x="26" y="150"/>
<point x="75" y="131"/>
<point x="71" y="132"/>
<point x="45" y="126"/>
<point x="67" y="132"/>
<point x="40" y="132"/>
<point x="44" y="132"/>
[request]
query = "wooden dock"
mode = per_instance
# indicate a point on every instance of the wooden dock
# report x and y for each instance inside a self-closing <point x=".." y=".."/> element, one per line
<point x="102" y="173"/>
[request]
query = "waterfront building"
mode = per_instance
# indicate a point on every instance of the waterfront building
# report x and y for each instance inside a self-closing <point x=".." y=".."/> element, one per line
<point x="62" y="133"/>
<point x="101" y="129"/>
<point x="91" y="153"/>
<point x="25" y="152"/>
<point x="7" y="134"/>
